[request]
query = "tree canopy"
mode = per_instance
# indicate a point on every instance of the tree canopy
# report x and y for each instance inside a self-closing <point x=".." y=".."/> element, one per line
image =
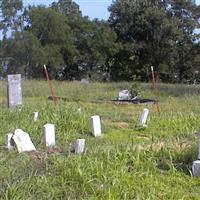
<point x="137" y="35"/>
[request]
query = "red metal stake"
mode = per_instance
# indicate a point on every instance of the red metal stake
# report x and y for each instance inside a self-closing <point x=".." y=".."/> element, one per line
<point x="155" y="90"/>
<point x="49" y="84"/>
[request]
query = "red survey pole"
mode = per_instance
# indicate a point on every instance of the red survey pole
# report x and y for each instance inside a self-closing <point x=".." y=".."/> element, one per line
<point x="50" y="86"/>
<point x="155" y="90"/>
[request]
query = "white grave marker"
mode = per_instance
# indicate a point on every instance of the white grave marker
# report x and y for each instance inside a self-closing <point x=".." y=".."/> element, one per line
<point x="196" y="168"/>
<point x="9" y="143"/>
<point x="79" y="146"/>
<point x="96" y="125"/>
<point x="14" y="91"/>
<point x="22" y="141"/>
<point x="35" y="117"/>
<point x="143" y="118"/>
<point x="49" y="135"/>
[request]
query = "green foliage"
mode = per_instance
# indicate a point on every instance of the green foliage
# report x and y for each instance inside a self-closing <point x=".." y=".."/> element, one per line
<point x="137" y="35"/>
<point x="11" y="20"/>
<point x="158" y="33"/>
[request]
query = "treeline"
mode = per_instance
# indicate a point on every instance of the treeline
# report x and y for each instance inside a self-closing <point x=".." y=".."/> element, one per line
<point x="137" y="35"/>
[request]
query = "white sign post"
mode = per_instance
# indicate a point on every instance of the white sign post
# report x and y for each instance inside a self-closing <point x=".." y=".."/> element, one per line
<point x="96" y="125"/>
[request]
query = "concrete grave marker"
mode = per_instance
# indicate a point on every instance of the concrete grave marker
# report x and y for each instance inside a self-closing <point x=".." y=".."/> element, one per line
<point x="196" y="168"/>
<point x="9" y="142"/>
<point x="96" y="125"/>
<point x="49" y="135"/>
<point x="79" y="146"/>
<point x="143" y="118"/>
<point x="22" y="141"/>
<point x="35" y="117"/>
<point x="14" y="91"/>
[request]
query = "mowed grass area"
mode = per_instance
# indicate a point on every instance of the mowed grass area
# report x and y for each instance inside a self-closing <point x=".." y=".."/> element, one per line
<point x="125" y="163"/>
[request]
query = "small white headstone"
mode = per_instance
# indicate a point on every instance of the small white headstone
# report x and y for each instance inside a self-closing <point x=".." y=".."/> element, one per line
<point x="96" y="125"/>
<point x="35" y="117"/>
<point x="196" y="168"/>
<point x="9" y="143"/>
<point x="23" y="141"/>
<point x="143" y="118"/>
<point x="79" y="146"/>
<point x="49" y="135"/>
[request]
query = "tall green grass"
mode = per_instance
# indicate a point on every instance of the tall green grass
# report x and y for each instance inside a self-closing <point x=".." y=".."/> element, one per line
<point x="125" y="163"/>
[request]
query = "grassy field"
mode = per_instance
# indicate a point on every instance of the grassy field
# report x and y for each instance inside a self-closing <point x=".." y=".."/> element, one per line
<point x="125" y="163"/>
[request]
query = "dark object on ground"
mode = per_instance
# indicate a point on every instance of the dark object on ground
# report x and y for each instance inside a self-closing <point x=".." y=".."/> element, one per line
<point x="136" y="101"/>
<point x="57" y="98"/>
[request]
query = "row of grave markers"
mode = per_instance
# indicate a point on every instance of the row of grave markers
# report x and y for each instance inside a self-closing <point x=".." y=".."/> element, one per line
<point x="14" y="91"/>
<point x="22" y="140"/>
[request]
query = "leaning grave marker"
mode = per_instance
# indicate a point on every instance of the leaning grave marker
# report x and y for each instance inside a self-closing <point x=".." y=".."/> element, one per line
<point x="14" y="91"/>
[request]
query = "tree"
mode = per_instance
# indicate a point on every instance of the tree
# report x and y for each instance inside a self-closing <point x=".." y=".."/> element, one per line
<point x="24" y="55"/>
<point x="150" y="32"/>
<point x="96" y="44"/>
<point x="53" y="32"/>
<point x="187" y="14"/>
<point x="9" y="10"/>
<point x="67" y="8"/>
<point x="94" y="41"/>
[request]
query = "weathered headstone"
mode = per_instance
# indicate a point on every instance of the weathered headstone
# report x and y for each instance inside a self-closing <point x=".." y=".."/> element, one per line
<point x="35" y="117"/>
<point x="96" y="125"/>
<point x="85" y="81"/>
<point x="23" y="141"/>
<point x="143" y="118"/>
<point x="14" y="90"/>
<point x="79" y="146"/>
<point x="196" y="168"/>
<point x="9" y="142"/>
<point x="124" y="95"/>
<point x="49" y="135"/>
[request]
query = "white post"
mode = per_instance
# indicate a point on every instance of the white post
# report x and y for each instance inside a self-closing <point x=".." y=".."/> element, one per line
<point x="9" y="144"/>
<point x="96" y="125"/>
<point x="35" y="117"/>
<point x="143" y="118"/>
<point x="49" y="135"/>
<point x="79" y="146"/>
<point x="23" y="141"/>
<point x="198" y="152"/>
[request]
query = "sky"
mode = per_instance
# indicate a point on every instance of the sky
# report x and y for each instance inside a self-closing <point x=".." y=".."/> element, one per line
<point x="91" y="8"/>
